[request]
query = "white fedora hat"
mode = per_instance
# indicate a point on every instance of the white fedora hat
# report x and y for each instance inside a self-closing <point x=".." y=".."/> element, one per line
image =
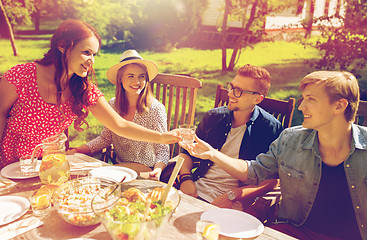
<point x="132" y="56"/>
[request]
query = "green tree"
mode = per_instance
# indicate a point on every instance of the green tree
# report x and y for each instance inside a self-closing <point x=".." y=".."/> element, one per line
<point x="28" y="12"/>
<point x="344" y="45"/>
<point x="19" y="11"/>
<point x="4" y="18"/>
<point x="308" y="21"/>
<point x="251" y="14"/>
<point x="144" y="24"/>
<point x="106" y="16"/>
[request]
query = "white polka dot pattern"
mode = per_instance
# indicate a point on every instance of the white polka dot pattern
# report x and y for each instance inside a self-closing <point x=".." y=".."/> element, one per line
<point x="128" y="150"/>
<point x="31" y="119"/>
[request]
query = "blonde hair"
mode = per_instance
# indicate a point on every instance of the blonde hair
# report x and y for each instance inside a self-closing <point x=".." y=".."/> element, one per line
<point x="338" y="85"/>
<point x="145" y="96"/>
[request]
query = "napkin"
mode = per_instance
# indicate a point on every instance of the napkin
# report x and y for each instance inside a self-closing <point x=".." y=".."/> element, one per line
<point x="14" y="229"/>
<point x="5" y="183"/>
<point x="78" y="166"/>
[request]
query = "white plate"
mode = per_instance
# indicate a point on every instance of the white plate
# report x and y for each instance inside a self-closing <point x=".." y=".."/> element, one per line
<point x="114" y="172"/>
<point x="12" y="171"/>
<point x="12" y="208"/>
<point x="234" y="223"/>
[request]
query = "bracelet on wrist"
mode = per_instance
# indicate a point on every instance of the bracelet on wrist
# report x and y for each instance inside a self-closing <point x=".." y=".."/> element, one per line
<point x="184" y="174"/>
<point x="185" y="178"/>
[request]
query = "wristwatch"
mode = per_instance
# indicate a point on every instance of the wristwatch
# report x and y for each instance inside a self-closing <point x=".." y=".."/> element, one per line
<point x="231" y="195"/>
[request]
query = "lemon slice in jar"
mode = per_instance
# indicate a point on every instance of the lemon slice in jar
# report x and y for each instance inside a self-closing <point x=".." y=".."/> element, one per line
<point x="61" y="180"/>
<point x="59" y="157"/>
<point x="211" y="232"/>
<point x="42" y="200"/>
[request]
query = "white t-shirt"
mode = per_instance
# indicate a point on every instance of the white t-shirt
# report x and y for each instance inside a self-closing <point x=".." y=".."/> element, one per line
<point x="216" y="181"/>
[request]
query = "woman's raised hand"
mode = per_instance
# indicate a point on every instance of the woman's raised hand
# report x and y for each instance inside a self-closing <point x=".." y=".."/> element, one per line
<point x="172" y="136"/>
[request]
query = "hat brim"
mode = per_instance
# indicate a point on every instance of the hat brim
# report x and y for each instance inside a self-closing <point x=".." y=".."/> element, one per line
<point x="152" y="69"/>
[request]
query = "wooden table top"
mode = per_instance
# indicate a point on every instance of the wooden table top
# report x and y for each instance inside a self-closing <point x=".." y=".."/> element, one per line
<point x="180" y="226"/>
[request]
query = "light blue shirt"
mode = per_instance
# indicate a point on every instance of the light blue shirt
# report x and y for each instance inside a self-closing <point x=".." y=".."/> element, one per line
<point x="295" y="159"/>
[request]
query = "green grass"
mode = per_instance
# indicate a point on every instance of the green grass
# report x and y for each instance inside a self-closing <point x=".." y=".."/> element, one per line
<point x="287" y="62"/>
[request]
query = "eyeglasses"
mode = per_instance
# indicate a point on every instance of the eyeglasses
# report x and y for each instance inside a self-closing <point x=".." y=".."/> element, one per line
<point x="238" y="92"/>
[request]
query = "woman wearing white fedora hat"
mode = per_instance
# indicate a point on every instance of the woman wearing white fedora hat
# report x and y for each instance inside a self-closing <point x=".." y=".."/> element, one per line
<point x="134" y="101"/>
<point x="43" y="98"/>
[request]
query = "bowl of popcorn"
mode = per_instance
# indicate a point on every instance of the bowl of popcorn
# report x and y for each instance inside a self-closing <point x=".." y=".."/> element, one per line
<point x="73" y="199"/>
<point x="139" y="212"/>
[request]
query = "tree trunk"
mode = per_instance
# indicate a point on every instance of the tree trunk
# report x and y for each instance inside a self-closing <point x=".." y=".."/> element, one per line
<point x="309" y="17"/>
<point x="2" y="9"/>
<point x="224" y="35"/>
<point x="243" y="37"/>
<point x="36" y="18"/>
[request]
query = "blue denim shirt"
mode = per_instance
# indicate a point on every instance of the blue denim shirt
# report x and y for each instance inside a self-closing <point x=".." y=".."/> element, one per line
<point x="262" y="129"/>
<point x="295" y="158"/>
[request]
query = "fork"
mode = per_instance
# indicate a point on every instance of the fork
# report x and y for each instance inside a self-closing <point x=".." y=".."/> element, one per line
<point x="117" y="185"/>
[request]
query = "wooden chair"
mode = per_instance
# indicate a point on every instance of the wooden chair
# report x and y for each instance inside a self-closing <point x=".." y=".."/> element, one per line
<point x="178" y="94"/>
<point x="281" y="110"/>
<point x="221" y="97"/>
<point x="361" y="118"/>
<point x="67" y="143"/>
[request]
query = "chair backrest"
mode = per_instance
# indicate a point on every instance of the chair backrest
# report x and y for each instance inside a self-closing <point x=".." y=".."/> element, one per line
<point x="67" y="143"/>
<point x="221" y="96"/>
<point x="178" y="94"/>
<point x="282" y="110"/>
<point x="361" y="118"/>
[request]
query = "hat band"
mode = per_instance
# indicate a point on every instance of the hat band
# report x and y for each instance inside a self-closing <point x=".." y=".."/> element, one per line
<point x="130" y="58"/>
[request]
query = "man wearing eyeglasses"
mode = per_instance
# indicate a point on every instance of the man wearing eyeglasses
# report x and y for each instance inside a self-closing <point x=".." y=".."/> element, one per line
<point x="240" y="130"/>
<point x="322" y="165"/>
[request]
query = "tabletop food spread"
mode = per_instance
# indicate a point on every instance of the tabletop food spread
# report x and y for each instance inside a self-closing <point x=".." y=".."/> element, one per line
<point x="12" y="171"/>
<point x="89" y="197"/>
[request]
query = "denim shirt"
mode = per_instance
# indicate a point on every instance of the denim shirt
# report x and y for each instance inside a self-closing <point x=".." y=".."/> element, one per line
<point x="295" y="158"/>
<point x="262" y="129"/>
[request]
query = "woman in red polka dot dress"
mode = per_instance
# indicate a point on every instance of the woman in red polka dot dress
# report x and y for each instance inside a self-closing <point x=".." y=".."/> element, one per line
<point x="43" y="98"/>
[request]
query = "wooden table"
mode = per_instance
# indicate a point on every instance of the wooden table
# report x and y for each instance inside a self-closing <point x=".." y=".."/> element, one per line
<point x="180" y="226"/>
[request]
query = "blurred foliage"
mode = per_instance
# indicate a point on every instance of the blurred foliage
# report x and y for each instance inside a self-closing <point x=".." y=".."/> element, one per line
<point x="343" y="42"/>
<point x="19" y="11"/>
<point x="162" y="24"/>
<point x="156" y="25"/>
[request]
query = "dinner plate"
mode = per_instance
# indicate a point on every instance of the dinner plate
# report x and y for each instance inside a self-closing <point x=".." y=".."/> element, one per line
<point x="114" y="172"/>
<point x="12" y="208"/>
<point x="12" y="171"/>
<point x="234" y="223"/>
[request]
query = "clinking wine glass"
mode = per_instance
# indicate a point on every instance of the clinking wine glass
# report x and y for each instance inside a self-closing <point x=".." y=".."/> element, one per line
<point x="187" y="133"/>
<point x="54" y="168"/>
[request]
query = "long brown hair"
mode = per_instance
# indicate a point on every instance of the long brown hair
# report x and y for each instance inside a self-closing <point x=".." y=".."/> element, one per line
<point x="144" y="99"/>
<point x="67" y="35"/>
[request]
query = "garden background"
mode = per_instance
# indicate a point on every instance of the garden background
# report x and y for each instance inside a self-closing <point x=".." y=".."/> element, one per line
<point x="287" y="61"/>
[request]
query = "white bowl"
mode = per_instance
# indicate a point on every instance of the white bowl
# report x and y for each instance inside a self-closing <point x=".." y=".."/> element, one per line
<point x="73" y="199"/>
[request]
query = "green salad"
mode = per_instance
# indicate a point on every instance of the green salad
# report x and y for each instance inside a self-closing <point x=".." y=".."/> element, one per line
<point x="134" y="212"/>
<point x="136" y="217"/>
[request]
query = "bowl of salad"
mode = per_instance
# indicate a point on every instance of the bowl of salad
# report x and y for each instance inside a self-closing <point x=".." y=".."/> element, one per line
<point x="139" y="213"/>
<point x="73" y="199"/>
